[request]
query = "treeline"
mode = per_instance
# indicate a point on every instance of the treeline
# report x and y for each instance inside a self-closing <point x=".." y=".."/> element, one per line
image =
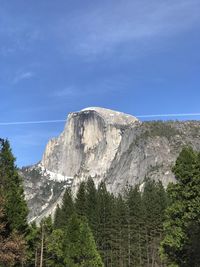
<point x="146" y="226"/>
<point x="100" y="229"/>
<point x="127" y="229"/>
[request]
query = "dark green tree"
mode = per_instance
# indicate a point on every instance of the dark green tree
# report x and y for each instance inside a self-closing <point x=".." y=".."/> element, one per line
<point x="91" y="205"/>
<point x="11" y="184"/>
<point x="80" y="201"/>
<point x="180" y="245"/>
<point x="57" y="218"/>
<point x="66" y="210"/>
<point x="135" y="218"/>
<point x="104" y="221"/>
<point x="55" y="249"/>
<point x="79" y="245"/>
<point x="118" y="232"/>
<point x="12" y="246"/>
<point x="33" y="244"/>
<point x="154" y="205"/>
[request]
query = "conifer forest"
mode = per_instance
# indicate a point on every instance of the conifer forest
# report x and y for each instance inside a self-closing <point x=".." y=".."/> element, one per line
<point x="144" y="226"/>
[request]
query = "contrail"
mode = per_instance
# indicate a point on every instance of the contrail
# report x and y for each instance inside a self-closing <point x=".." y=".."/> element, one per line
<point x="30" y="122"/>
<point x="139" y="116"/>
<point x="169" y="115"/>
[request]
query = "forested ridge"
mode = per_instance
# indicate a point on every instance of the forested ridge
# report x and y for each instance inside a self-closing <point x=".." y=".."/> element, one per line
<point x="146" y="226"/>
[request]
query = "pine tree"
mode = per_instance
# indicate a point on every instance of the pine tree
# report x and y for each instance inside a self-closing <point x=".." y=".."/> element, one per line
<point x="11" y="184"/>
<point x="55" y="249"/>
<point x="119" y="232"/>
<point x="154" y="201"/>
<point x="12" y="246"/>
<point x="80" y="201"/>
<point x="46" y="229"/>
<point x="80" y="249"/>
<point x="91" y="206"/>
<point x="104" y="220"/>
<point x="135" y="239"/>
<point x="57" y="218"/>
<point x="33" y="244"/>
<point x="64" y="212"/>
<point x="182" y="226"/>
<point x="14" y="208"/>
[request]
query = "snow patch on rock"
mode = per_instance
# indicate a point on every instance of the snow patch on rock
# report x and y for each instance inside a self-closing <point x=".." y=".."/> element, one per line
<point x="54" y="176"/>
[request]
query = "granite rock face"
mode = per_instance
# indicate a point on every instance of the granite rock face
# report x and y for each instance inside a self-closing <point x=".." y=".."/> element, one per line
<point x="106" y="145"/>
<point x="88" y="144"/>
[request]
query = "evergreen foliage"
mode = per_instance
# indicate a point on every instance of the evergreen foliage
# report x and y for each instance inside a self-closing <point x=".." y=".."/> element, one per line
<point x="32" y="239"/>
<point x="12" y="189"/>
<point x="127" y="229"/>
<point x="94" y="229"/>
<point x="154" y="205"/>
<point x="80" y="202"/>
<point x="182" y="226"/>
<point x="104" y="223"/>
<point x="55" y="249"/>
<point x="64" y="212"/>
<point x="79" y="245"/>
<point x="13" y="210"/>
<point x="91" y="205"/>
<point x="12" y="246"/>
<point x="135" y="219"/>
<point x="97" y="228"/>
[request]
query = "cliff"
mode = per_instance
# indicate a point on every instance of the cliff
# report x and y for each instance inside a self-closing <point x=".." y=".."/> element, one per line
<point x="105" y="145"/>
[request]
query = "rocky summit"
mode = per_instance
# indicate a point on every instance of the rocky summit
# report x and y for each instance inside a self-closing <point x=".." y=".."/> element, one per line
<point x="105" y="145"/>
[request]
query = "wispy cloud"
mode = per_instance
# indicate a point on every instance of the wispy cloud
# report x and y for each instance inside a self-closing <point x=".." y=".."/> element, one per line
<point x="105" y="86"/>
<point x="66" y="92"/>
<point x="16" y="33"/>
<point x="23" y="76"/>
<point x="104" y="28"/>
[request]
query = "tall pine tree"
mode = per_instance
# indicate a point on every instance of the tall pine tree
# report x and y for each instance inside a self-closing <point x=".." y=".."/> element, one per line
<point x="80" y="201"/>
<point x="64" y="212"/>
<point x="12" y="246"/>
<point x="11" y="184"/>
<point x="135" y="238"/>
<point x="182" y="225"/>
<point x="79" y="245"/>
<point x="91" y="205"/>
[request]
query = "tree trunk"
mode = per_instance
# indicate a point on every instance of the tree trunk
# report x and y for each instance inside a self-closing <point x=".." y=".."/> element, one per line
<point x="129" y="245"/>
<point x="42" y="248"/>
<point x="147" y="249"/>
<point x="36" y="257"/>
<point x="140" y="250"/>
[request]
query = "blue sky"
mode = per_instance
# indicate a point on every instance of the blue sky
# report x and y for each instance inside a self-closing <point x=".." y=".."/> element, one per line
<point x="139" y="57"/>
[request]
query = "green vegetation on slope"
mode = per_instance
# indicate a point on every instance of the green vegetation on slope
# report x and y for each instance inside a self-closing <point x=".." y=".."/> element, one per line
<point x="145" y="227"/>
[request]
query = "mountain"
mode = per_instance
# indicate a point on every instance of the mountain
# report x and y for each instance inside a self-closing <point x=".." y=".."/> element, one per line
<point x="105" y="145"/>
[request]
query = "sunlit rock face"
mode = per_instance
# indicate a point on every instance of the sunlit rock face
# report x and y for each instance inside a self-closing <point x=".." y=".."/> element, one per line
<point x="105" y="145"/>
<point x="88" y="144"/>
